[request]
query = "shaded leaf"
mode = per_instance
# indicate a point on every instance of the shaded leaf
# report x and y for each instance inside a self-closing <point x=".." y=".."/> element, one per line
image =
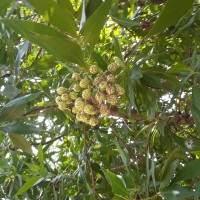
<point x="4" y="4"/>
<point x="189" y="171"/>
<point x="117" y="185"/>
<point x="123" y="154"/>
<point x="170" y="15"/>
<point x="92" y="6"/>
<point x="174" y="192"/>
<point x="55" y="14"/>
<point x="48" y="38"/>
<point x="29" y="183"/>
<point x="19" y="128"/>
<point x="40" y="155"/>
<point x="44" y="63"/>
<point x="20" y="142"/>
<point x="128" y="23"/>
<point x="95" y="23"/>
<point x="11" y="91"/>
<point x="15" y="108"/>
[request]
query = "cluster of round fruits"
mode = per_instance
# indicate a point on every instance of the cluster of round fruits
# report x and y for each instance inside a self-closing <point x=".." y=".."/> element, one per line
<point x="92" y="96"/>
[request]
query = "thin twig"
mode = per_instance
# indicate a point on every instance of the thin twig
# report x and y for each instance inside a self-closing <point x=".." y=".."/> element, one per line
<point x="89" y="163"/>
<point x="47" y="142"/>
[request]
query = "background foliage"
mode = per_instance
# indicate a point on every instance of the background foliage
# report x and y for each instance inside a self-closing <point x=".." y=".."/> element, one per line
<point x="149" y="146"/>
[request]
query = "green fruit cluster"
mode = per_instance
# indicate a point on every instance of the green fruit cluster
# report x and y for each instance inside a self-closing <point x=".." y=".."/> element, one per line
<point x="91" y="94"/>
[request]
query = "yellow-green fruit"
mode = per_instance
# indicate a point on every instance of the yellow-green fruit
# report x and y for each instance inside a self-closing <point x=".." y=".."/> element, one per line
<point x="76" y="77"/>
<point x="79" y="104"/>
<point x="93" y="121"/>
<point x="94" y="69"/>
<point x="82" y="117"/>
<point x="73" y="95"/>
<point x="112" y="67"/>
<point x="75" y="110"/>
<point x="86" y="94"/>
<point x="103" y="85"/>
<point x="84" y="83"/>
<point x="62" y="90"/>
<point x="104" y="110"/>
<point x="110" y="89"/>
<point x="76" y="88"/>
<point x="62" y="106"/>
<point x="120" y="90"/>
<point x="100" y="96"/>
<point x="90" y="109"/>
<point x="58" y="99"/>
<point x="110" y="78"/>
<point x="65" y="97"/>
<point x="98" y="80"/>
<point x="112" y="99"/>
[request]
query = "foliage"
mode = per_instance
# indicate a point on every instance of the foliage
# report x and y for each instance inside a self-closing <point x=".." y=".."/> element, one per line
<point x="147" y="147"/>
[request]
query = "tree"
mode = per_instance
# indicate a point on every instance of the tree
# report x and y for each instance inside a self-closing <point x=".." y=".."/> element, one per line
<point x="99" y="99"/>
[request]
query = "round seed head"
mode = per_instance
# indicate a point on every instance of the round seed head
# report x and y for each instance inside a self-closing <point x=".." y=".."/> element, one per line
<point x="86" y="94"/>
<point x="76" y="88"/>
<point x="58" y="99"/>
<point x="65" y="97"/>
<point x="98" y="80"/>
<point x="76" y="77"/>
<point x="110" y="78"/>
<point x="94" y="69"/>
<point x="62" y="90"/>
<point x="104" y="110"/>
<point x="100" y="96"/>
<point x="103" y="85"/>
<point x="62" y="106"/>
<point x="73" y="95"/>
<point x="110" y="89"/>
<point x="90" y="109"/>
<point x="120" y="90"/>
<point x="79" y="104"/>
<point x="112" y="67"/>
<point x="112" y="99"/>
<point x="82" y="117"/>
<point x="75" y="110"/>
<point x="93" y="121"/>
<point x="84" y="83"/>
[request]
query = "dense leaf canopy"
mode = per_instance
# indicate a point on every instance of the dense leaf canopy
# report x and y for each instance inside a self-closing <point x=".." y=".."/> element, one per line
<point x="99" y="99"/>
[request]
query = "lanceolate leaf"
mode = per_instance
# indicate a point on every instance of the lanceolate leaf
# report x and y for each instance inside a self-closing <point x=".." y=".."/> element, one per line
<point x="21" y="142"/>
<point x="118" y="187"/>
<point x="189" y="171"/>
<point x="48" y="38"/>
<point x="4" y="4"/>
<point x="55" y="14"/>
<point x="172" y="12"/>
<point x="19" y="128"/>
<point x="95" y="23"/>
<point x="15" y="108"/>
<point x="29" y="183"/>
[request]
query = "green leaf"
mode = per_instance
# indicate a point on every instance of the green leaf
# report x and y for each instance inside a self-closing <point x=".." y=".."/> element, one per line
<point x="29" y="183"/>
<point x="117" y="185"/>
<point x="196" y="106"/>
<point x="92" y="6"/>
<point x="123" y="154"/>
<point x="128" y="23"/>
<point x="117" y="47"/>
<point x="48" y="38"/>
<point x="55" y="14"/>
<point x="168" y="173"/>
<point x="33" y="167"/>
<point x="4" y="4"/>
<point x="189" y="171"/>
<point x="174" y="192"/>
<point x="170" y="15"/>
<point x="15" y="108"/>
<point x="40" y="155"/>
<point x="95" y="23"/>
<point x="19" y="128"/>
<point x="20" y="142"/>
<point x="11" y="91"/>
<point x="44" y="63"/>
